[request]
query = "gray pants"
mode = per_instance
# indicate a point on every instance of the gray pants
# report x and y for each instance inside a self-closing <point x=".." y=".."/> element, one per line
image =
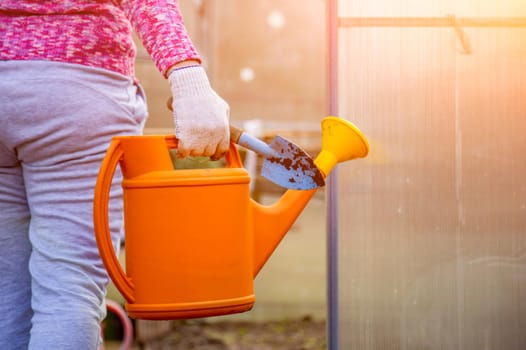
<point x="56" y="121"/>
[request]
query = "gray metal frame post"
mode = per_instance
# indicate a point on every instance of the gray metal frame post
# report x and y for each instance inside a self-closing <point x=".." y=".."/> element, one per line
<point x="332" y="185"/>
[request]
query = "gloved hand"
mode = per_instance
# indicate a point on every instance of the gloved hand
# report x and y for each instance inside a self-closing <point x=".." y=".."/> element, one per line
<point x="201" y="116"/>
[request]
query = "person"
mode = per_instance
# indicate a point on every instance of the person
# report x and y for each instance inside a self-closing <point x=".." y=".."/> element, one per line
<point x="67" y="86"/>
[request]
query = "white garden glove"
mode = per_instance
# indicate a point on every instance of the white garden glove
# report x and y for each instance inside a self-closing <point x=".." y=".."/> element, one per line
<point x="201" y="116"/>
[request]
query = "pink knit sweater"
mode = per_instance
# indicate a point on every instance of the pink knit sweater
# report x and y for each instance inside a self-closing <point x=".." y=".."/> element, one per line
<point x="94" y="32"/>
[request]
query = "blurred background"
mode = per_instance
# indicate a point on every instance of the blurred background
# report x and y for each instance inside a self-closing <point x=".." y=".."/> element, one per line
<point x="266" y="58"/>
<point x="432" y="225"/>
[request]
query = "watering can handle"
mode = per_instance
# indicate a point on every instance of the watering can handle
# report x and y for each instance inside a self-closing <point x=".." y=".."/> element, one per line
<point x="232" y="157"/>
<point x="101" y="221"/>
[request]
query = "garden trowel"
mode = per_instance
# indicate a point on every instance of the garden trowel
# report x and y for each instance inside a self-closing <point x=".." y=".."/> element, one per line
<point x="284" y="163"/>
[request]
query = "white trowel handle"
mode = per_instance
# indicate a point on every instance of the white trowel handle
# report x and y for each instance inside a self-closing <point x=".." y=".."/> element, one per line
<point x="241" y="138"/>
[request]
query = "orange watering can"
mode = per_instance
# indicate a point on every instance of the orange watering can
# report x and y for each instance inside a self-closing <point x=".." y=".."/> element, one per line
<point x="195" y="239"/>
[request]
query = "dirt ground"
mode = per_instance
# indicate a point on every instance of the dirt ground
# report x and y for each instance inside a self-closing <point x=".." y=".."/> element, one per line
<point x="304" y="334"/>
<point x="299" y="334"/>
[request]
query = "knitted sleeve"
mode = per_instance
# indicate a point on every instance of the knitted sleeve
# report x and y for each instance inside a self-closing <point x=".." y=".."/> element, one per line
<point x="159" y="24"/>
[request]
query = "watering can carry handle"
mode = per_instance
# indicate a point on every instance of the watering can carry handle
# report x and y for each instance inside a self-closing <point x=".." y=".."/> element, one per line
<point x="101" y="221"/>
<point x="232" y="157"/>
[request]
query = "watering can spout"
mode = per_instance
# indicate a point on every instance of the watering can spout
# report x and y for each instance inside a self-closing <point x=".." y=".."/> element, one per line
<point x="341" y="141"/>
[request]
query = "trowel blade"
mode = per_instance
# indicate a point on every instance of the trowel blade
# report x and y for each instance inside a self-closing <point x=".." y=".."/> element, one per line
<point x="291" y="167"/>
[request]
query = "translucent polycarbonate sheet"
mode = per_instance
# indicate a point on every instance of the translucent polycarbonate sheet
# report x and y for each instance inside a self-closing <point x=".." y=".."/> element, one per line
<point x="432" y="224"/>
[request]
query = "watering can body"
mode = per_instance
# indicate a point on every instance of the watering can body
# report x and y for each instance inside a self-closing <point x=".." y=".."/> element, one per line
<point x="189" y="245"/>
<point x="195" y="239"/>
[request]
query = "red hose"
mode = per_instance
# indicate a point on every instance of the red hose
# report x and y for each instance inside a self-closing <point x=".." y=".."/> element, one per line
<point x="127" y="326"/>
